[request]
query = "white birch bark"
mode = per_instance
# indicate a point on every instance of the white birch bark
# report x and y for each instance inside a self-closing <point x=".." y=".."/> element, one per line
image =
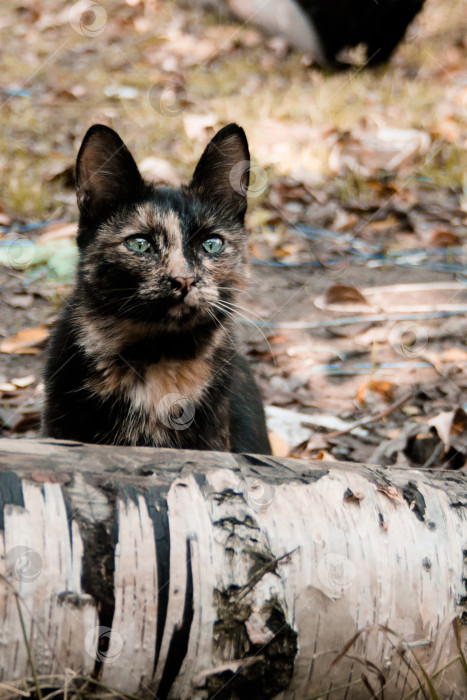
<point x="209" y="575"/>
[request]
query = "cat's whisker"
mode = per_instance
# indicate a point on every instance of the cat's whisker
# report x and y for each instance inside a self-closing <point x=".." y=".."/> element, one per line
<point x="232" y="312"/>
<point x="242" y="308"/>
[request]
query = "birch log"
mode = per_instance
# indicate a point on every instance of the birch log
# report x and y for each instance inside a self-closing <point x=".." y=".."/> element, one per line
<point x="177" y="574"/>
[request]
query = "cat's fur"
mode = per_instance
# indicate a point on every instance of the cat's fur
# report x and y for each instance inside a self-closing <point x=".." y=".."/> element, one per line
<point x="379" y="24"/>
<point x="323" y="28"/>
<point x="144" y="352"/>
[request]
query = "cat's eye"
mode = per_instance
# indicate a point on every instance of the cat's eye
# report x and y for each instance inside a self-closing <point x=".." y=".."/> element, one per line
<point x="213" y="245"/>
<point x="138" y="244"/>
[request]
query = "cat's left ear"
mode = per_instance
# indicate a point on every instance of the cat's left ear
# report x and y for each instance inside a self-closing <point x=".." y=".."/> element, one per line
<point x="106" y="173"/>
<point x="223" y="170"/>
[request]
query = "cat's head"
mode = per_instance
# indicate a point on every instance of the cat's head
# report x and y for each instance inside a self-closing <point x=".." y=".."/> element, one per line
<point x="172" y="256"/>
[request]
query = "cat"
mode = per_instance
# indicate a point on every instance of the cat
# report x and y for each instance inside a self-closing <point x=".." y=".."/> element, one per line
<point x="323" y="28"/>
<point x="144" y="351"/>
<point x="378" y="24"/>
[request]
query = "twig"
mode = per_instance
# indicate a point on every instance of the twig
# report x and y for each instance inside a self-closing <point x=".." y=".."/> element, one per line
<point x="370" y="419"/>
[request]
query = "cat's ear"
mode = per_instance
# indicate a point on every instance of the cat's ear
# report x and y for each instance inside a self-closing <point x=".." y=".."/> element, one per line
<point x="223" y="170"/>
<point x="106" y="173"/>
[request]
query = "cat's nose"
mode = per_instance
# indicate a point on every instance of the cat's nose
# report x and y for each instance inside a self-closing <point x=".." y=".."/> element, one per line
<point x="183" y="284"/>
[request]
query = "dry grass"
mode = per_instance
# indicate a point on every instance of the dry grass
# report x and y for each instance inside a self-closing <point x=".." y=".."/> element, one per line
<point x="70" y="80"/>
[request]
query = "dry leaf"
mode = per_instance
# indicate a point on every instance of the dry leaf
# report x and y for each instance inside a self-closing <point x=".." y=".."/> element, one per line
<point x="198" y="127"/>
<point x="7" y="387"/>
<point x="353" y="497"/>
<point x="279" y="446"/>
<point x="19" y="301"/>
<point x="58" y="229"/>
<point x="365" y="152"/>
<point x="160" y="171"/>
<point x="382" y="387"/>
<point x="321" y="455"/>
<point x="25" y="342"/>
<point x="23" y="382"/>
<point x="344" y="221"/>
<point x="445" y="239"/>
<point x="344" y="293"/>
<point x="392" y="493"/>
<point x="449" y="424"/>
<point x="453" y="355"/>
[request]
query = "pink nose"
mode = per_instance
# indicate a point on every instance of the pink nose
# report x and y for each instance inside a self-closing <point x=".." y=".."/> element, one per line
<point x="183" y="283"/>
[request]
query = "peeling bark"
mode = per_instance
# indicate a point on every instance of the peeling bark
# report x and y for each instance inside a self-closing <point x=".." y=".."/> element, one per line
<point x="209" y="575"/>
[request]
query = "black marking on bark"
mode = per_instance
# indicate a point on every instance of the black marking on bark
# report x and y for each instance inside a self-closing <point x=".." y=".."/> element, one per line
<point x="73" y="599"/>
<point x="11" y="493"/>
<point x="180" y="637"/>
<point x="463" y="599"/>
<point x="415" y="500"/>
<point x="426" y="563"/>
<point x="97" y="578"/>
<point x="280" y="470"/>
<point x="157" y="509"/>
<point x="200" y="479"/>
<point x="128" y="491"/>
<point x="69" y="514"/>
<point x="145" y="471"/>
<point x="273" y="669"/>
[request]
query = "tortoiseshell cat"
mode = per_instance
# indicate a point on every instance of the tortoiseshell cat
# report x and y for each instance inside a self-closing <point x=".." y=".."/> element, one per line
<point x="144" y="352"/>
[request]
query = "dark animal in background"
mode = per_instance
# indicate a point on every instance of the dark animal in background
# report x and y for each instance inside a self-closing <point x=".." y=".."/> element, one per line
<point x="144" y="351"/>
<point x="323" y="28"/>
<point x="342" y="24"/>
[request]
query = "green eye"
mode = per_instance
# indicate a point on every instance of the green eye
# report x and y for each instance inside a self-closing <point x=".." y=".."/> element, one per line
<point x="138" y="244"/>
<point x="213" y="245"/>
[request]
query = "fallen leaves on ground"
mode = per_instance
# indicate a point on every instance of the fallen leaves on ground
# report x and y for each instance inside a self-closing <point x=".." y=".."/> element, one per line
<point x="25" y="342"/>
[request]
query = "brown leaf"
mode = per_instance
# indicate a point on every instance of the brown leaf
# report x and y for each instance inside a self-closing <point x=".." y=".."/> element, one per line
<point x="392" y="493"/>
<point x="445" y="239"/>
<point x="382" y="387"/>
<point x="25" y="342"/>
<point x="353" y="497"/>
<point x="30" y="421"/>
<point x="344" y="293"/>
<point x="279" y="446"/>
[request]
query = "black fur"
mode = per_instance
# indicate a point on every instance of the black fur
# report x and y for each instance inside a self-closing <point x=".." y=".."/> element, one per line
<point x="379" y="24"/>
<point x="143" y="326"/>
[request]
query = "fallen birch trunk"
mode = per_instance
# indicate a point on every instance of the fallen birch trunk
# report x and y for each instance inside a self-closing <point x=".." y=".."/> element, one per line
<point x="208" y="575"/>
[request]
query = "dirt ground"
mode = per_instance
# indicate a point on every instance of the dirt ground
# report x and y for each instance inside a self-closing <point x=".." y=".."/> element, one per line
<point x="356" y="311"/>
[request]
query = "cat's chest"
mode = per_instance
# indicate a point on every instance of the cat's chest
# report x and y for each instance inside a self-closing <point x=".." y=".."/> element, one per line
<point x="150" y="388"/>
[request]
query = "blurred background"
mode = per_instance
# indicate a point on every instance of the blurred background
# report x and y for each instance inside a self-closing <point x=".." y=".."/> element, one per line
<point x="355" y="319"/>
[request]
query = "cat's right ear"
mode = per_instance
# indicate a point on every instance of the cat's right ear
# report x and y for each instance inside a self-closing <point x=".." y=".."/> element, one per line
<point x="106" y="173"/>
